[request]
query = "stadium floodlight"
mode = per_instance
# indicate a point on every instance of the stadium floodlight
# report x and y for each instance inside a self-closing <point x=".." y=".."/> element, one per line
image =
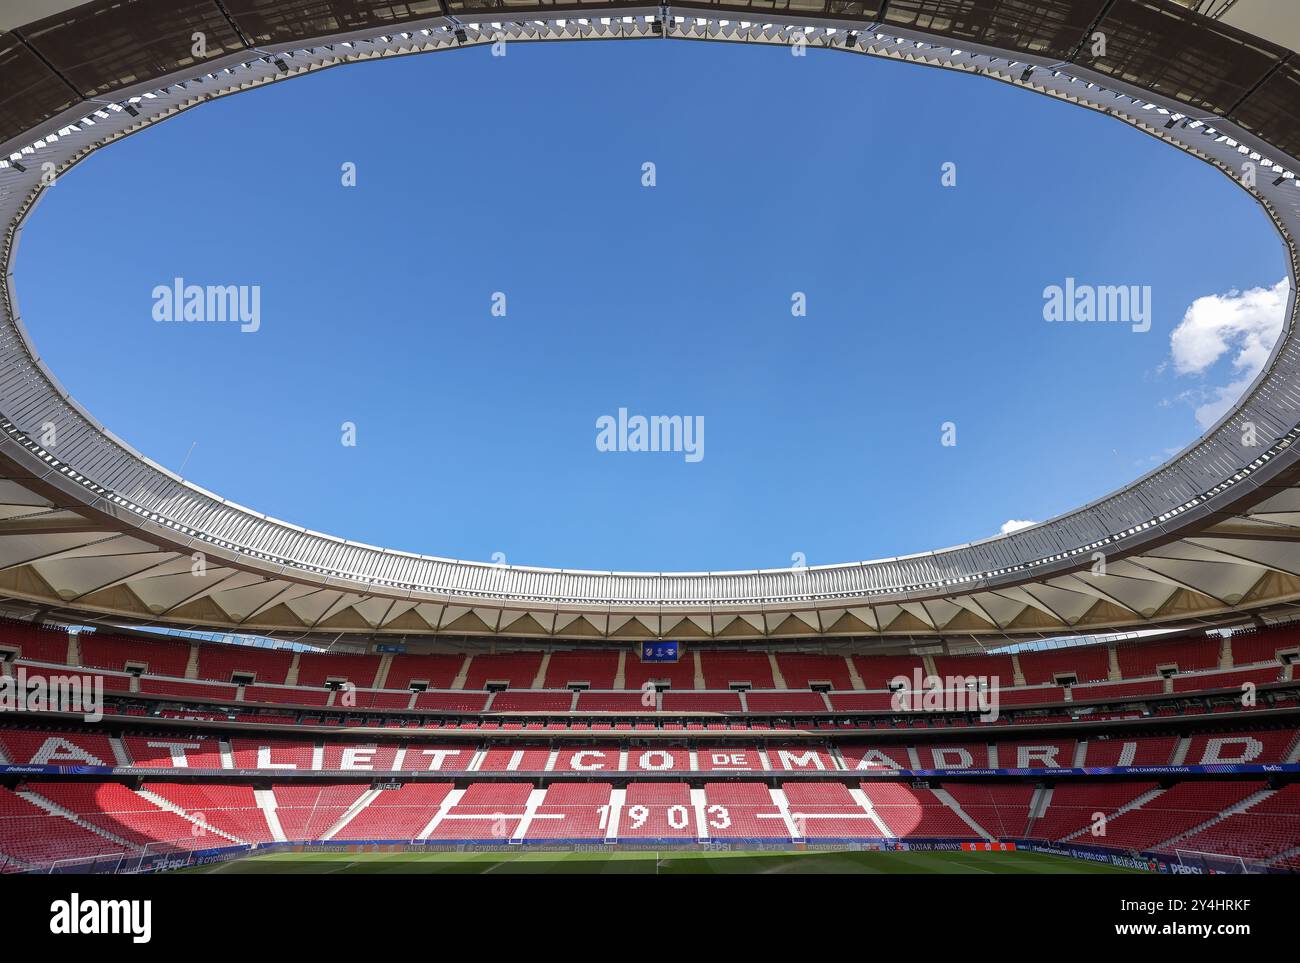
<point x="1024" y="77"/>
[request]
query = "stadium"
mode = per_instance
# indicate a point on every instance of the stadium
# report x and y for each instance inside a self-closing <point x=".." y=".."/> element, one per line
<point x="1112" y="690"/>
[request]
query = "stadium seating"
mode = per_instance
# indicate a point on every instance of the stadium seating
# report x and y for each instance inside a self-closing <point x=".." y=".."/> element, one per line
<point x="201" y="691"/>
<point x="1137" y="659"/>
<point x="161" y="751"/>
<point x="125" y="814"/>
<point x="510" y="759"/>
<point x="800" y="671"/>
<point x="286" y="696"/>
<point x="1117" y="690"/>
<point x="714" y="758"/>
<point x="1172" y="813"/>
<point x="378" y="699"/>
<point x="596" y="668"/>
<point x="997" y="667"/>
<point x="914" y="813"/>
<point x="1255" y="646"/>
<point x="1130" y="751"/>
<point x="877" y="671"/>
<point x="65" y="820"/>
<point x="792" y="702"/>
<point x="767" y="764"/>
<point x="1087" y="663"/>
<point x="1227" y="680"/>
<point x="742" y="810"/>
<point x="701" y="702"/>
<point x="511" y="701"/>
<point x="572" y="810"/>
<point x="625" y="702"/>
<point x="859" y="757"/>
<point x="317" y="668"/>
<point x="1197" y="659"/>
<point x="678" y="675"/>
<point x="434" y="671"/>
<point x="33" y="643"/>
<point x="1042" y="695"/>
<point x="221" y="661"/>
<point x="827" y="811"/>
<point x="1002" y="811"/>
<point x="309" y="812"/>
<point x="32" y="835"/>
<point x="397" y="814"/>
<point x="1074" y="807"/>
<point x="798" y="758"/>
<point x="159" y="657"/>
<point x="517" y="670"/>
<point x="658" y="810"/>
<point x="272" y="754"/>
<point x="861" y="701"/>
<point x="230" y="809"/>
<point x="722" y="669"/>
<point x="27" y="747"/>
<point x="359" y="757"/>
<point x="1270" y="746"/>
<point x="488" y="811"/>
<point x="1039" y="754"/>
<point x="1262" y="830"/>
<point x="451" y="701"/>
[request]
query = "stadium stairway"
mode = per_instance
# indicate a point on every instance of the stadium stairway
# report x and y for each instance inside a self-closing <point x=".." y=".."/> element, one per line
<point x="363" y="801"/>
<point x="535" y="799"/>
<point x="1294" y="755"/>
<point x="196" y="820"/>
<point x="946" y="798"/>
<point x="1038" y="803"/>
<point x="1180" y="751"/>
<point x="1136" y="803"/>
<point x="1235" y="808"/>
<point x="863" y="800"/>
<point x="700" y="804"/>
<point x="782" y="803"/>
<point x="1289" y="859"/>
<point x="448" y="802"/>
<point x="266" y="802"/>
<point x="54" y="809"/>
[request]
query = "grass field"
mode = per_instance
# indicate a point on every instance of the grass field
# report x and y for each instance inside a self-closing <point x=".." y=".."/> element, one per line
<point x="637" y="862"/>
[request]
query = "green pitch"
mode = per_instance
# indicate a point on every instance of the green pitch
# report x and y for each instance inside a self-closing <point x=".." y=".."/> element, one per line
<point x="657" y="863"/>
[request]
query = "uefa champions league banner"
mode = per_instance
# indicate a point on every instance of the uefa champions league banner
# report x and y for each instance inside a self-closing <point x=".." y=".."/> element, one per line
<point x="1225" y="769"/>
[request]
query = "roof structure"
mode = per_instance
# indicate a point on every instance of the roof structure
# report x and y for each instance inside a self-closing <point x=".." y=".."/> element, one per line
<point x="92" y="530"/>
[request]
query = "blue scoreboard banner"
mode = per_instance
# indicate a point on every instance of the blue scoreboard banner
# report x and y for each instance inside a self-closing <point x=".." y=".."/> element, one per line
<point x="659" y="652"/>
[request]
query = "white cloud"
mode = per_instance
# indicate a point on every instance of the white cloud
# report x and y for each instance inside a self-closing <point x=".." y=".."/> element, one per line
<point x="1015" y="525"/>
<point x="1244" y="323"/>
<point x="1224" y="398"/>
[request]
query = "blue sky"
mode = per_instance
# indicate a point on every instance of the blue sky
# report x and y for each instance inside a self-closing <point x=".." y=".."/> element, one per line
<point x="476" y="434"/>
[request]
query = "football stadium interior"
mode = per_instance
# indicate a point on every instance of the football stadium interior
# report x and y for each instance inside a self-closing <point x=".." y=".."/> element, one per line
<point x="1116" y="686"/>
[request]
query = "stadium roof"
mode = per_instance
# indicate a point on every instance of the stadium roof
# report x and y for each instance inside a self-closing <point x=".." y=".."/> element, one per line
<point x="91" y="529"/>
